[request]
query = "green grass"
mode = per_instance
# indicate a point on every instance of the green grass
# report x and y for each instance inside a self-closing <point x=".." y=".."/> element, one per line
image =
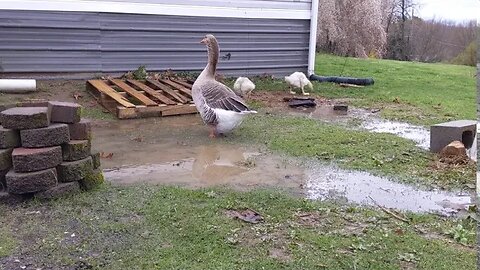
<point x="148" y="227"/>
<point x="380" y="153"/>
<point x="418" y="93"/>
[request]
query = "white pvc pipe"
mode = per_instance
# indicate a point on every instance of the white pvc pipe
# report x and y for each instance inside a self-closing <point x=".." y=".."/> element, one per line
<point x="17" y="85"/>
<point x="313" y="37"/>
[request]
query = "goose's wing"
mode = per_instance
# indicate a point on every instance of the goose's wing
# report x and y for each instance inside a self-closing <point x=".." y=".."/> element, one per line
<point x="219" y="96"/>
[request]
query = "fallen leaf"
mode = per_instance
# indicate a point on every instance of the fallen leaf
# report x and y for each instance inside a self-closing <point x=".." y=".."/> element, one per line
<point x="138" y="139"/>
<point x="106" y="155"/>
<point x="247" y="215"/>
<point x="76" y="96"/>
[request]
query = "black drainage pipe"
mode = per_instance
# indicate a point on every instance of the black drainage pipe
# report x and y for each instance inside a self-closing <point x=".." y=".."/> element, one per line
<point x="357" y="81"/>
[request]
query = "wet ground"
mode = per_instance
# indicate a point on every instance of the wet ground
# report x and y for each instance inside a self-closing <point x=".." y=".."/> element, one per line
<point x="176" y="150"/>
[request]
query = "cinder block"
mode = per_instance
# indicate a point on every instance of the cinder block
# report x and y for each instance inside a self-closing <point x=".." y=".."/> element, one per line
<point x="9" y="138"/>
<point x="65" y="112"/>
<point x="74" y="170"/>
<point x="76" y="150"/>
<point x="36" y="159"/>
<point x="81" y="130"/>
<point x="25" y="117"/>
<point x="21" y="183"/>
<point x="443" y="134"/>
<point x="58" y="191"/>
<point x="53" y="135"/>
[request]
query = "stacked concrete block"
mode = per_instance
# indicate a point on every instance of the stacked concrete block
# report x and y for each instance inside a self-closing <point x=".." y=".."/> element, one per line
<point x="45" y="151"/>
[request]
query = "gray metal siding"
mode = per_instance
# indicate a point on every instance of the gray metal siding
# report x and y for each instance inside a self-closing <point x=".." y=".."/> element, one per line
<point x="39" y="41"/>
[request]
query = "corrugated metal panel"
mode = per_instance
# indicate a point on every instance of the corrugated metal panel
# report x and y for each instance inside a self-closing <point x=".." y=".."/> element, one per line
<point x="35" y="41"/>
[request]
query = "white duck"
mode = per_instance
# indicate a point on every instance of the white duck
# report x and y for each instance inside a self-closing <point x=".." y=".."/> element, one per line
<point x="299" y="80"/>
<point x="219" y="106"/>
<point x="243" y="86"/>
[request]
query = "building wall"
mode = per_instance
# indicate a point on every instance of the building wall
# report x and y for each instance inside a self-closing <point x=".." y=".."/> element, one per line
<point x="92" y="42"/>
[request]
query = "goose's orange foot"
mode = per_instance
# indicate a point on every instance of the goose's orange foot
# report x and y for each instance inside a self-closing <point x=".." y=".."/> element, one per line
<point x="213" y="133"/>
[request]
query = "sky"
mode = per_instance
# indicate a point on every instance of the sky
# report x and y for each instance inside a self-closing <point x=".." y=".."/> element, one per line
<point x="453" y="10"/>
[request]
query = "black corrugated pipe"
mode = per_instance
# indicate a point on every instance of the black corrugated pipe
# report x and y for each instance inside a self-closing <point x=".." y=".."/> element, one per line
<point x="357" y="81"/>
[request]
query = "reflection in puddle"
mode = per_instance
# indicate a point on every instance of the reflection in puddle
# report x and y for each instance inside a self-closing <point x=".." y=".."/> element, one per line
<point x="419" y="135"/>
<point x="363" y="188"/>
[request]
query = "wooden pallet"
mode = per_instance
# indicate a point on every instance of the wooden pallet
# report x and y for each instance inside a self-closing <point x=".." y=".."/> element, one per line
<point x="138" y="99"/>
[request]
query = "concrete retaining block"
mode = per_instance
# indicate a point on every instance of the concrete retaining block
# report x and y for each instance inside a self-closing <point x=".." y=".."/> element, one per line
<point x="21" y="183"/>
<point x="36" y="159"/>
<point x="55" y="134"/>
<point x="9" y="138"/>
<point x="74" y="170"/>
<point x="5" y="159"/>
<point x="25" y="117"/>
<point x="96" y="160"/>
<point x="92" y="180"/>
<point x="65" y="112"/>
<point x="58" y="191"/>
<point x="76" y="150"/>
<point x="81" y="130"/>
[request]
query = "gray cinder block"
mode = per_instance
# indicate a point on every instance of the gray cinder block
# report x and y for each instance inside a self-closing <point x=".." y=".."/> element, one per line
<point x="444" y="133"/>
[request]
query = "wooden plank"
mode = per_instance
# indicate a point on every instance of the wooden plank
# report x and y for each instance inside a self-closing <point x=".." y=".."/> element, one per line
<point x="179" y="109"/>
<point x="179" y="87"/>
<point x="152" y="92"/>
<point x="186" y="84"/>
<point x="134" y="93"/>
<point x="167" y="90"/>
<point x="102" y="87"/>
<point x="141" y="111"/>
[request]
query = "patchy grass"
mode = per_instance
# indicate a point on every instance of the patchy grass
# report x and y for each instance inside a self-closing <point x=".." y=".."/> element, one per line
<point x="148" y="227"/>
<point x="380" y="153"/>
<point x="417" y="93"/>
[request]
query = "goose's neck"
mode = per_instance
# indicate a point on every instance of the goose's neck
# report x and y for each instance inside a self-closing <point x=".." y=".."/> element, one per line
<point x="213" y="52"/>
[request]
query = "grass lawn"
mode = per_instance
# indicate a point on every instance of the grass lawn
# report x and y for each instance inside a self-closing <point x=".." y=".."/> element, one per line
<point x="418" y="93"/>
<point x="148" y="227"/>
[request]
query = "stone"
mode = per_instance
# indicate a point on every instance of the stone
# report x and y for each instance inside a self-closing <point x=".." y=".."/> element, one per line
<point x="58" y="191"/>
<point x="443" y="134"/>
<point x="70" y="171"/>
<point x="92" y="180"/>
<point x="9" y="138"/>
<point x="13" y="199"/>
<point x="96" y="160"/>
<point x="76" y="150"/>
<point x="5" y="159"/>
<point x="340" y="107"/>
<point x="21" y="183"/>
<point x="36" y="159"/>
<point x="81" y="130"/>
<point x="53" y="135"/>
<point x="65" y="112"/>
<point x="455" y="149"/>
<point x="25" y="117"/>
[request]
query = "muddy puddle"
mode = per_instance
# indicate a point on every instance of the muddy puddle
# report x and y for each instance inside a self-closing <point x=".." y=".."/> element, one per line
<point x="166" y="151"/>
<point x="371" y="122"/>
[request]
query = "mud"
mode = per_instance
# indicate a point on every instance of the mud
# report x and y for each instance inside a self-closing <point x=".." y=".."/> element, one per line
<point x="177" y="151"/>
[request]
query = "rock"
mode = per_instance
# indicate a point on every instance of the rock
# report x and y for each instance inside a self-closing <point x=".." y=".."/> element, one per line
<point x="455" y="149"/>
<point x="9" y="138"/>
<point x="96" y="160"/>
<point x="21" y="183"/>
<point x="340" y="107"/>
<point x="13" y="199"/>
<point x="92" y="180"/>
<point x="36" y="159"/>
<point x="58" y="191"/>
<point x="25" y="117"/>
<point x="81" y="130"/>
<point x="76" y="150"/>
<point x="55" y="134"/>
<point x="65" y="112"/>
<point x="74" y="170"/>
<point x="5" y="159"/>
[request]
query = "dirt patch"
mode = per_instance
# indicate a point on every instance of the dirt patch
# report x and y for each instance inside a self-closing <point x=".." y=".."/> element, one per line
<point x="275" y="99"/>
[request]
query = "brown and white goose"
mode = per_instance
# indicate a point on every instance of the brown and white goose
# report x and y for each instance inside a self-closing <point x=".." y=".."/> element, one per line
<point x="219" y="106"/>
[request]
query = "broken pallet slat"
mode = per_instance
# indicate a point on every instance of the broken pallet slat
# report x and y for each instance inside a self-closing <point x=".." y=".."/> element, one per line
<point x="186" y="84"/>
<point x="179" y="109"/>
<point x="134" y="93"/>
<point x="152" y="92"/>
<point x="167" y="90"/>
<point x="179" y="87"/>
<point x="107" y="90"/>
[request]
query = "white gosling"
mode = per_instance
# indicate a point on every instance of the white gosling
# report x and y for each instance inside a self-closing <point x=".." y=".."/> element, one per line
<point x="219" y="106"/>
<point x="298" y="80"/>
<point x="243" y="86"/>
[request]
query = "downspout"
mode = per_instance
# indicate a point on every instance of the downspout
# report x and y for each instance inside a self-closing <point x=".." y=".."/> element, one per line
<point x="313" y="37"/>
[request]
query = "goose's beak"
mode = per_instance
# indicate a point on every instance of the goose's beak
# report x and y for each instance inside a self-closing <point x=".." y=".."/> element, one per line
<point x="204" y="41"/>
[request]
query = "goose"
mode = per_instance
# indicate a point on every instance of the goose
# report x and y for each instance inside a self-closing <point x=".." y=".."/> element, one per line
<point x="243" y="86"/>
<point x="299" y="80"/>
<point x="219" y="107"/>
